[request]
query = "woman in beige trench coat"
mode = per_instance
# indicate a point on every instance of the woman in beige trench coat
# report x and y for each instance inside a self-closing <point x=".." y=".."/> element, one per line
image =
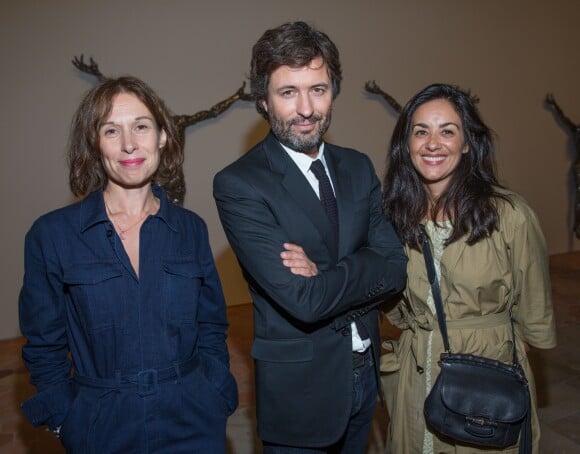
<point x="489" y="253"/>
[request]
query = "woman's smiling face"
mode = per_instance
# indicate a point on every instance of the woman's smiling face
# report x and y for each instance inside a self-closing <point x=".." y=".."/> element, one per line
<point x="130" y="142"/>
<point x="436" y="144"/>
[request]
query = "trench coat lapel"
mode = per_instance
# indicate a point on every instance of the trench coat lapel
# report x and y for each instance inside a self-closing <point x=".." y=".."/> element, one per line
<point x="453" y="252"/>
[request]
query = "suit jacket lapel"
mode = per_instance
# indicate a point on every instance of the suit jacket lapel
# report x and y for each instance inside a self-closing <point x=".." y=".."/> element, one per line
<point x="301" y="192"/>
<point x="342" y="182"/>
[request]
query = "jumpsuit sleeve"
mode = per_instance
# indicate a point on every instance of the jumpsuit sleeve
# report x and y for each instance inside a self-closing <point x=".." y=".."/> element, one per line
<point x="43" y="324"/>
<point x="212" y="323"/>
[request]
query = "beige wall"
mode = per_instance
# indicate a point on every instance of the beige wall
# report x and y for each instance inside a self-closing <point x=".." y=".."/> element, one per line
<point x="509" y="53"/>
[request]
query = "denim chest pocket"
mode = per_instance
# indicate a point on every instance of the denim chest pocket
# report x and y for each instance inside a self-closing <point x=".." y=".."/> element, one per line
<point x="183" y="281"/>
<point x="96" y="293"/>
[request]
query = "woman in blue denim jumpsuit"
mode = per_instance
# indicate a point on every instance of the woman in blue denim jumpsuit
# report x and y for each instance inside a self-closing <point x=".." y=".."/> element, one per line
<point x="121" y="304"/>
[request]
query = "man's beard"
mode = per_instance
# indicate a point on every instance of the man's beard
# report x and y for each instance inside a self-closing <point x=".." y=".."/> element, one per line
<point x="303" y="143"/>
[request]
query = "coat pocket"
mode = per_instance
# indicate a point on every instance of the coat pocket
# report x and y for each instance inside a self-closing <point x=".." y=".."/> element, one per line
<point x="283" y="350"/>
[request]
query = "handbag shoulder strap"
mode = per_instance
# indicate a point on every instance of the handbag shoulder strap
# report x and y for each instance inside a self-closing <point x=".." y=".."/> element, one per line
<point x="435" y="290"/>
<point x="432" y="275"/>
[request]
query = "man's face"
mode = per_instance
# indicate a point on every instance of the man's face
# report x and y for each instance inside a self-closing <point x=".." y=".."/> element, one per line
<point x="299" y="105"/>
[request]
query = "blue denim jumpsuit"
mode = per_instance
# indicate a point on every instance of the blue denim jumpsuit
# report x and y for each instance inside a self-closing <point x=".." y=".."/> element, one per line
<point x="126" y="364"/>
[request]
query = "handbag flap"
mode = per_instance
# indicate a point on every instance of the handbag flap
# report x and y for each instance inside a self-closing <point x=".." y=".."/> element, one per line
<point x="479" y="387"/>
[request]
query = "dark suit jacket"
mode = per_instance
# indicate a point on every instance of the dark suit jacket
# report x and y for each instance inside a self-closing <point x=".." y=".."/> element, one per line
<point x="302" y="346"/>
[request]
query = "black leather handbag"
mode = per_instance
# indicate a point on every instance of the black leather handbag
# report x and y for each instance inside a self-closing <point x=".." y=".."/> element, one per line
<point x="475" y="400"/>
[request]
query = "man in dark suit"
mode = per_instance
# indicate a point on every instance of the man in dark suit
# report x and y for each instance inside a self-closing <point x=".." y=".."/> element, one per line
<point x="315" y="249"/>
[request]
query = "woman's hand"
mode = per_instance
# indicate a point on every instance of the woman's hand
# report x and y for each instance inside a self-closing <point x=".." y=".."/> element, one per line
<point x="295" y="258"/>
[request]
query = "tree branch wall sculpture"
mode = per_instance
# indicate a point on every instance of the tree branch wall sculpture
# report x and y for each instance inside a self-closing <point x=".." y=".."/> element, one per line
<point x="181" y="121"/>
<point x="574" y="130"/>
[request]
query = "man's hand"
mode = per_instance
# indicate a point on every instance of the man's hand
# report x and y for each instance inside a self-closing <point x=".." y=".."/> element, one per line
<point x="293" y="257"/>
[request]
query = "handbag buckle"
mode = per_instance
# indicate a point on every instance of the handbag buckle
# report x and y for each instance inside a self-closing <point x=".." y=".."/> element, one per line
<point x="480" y="421"/>
<point x="480" y="427"/>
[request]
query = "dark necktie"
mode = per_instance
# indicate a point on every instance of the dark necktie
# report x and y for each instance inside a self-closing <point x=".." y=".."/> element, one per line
<point x="326" y="194"/>
<point x="329" y="203"/>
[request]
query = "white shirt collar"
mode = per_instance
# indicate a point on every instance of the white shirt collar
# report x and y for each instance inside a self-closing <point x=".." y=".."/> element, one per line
<point x="302" y="160"/>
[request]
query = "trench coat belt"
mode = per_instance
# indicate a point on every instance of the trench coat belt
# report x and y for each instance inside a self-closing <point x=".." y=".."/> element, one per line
<point x="421" y="330"/>
<point x="145" y="381"/>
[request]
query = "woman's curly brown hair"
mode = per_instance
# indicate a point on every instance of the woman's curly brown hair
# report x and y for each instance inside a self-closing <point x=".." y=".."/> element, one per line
<point x="86" y="171"/>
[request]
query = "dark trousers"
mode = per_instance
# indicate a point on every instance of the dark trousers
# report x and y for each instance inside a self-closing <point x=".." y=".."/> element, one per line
<point x="354" y="440"/>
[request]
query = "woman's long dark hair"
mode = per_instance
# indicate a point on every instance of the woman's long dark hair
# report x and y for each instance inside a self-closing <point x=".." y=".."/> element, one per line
<point x="468" y="200"/>
<point x="86" y="171"/>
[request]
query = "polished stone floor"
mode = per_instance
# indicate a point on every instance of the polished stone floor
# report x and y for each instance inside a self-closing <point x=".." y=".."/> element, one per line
<point x="557" y="375"/>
